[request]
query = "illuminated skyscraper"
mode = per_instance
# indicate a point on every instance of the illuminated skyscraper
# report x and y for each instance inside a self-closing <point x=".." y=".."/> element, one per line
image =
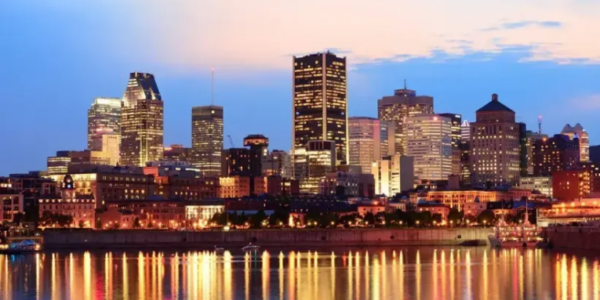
<point x="428" y="140"/>
<point x="496" y="145"/>
<point x="141" y="121"/>
<point x="456" y="140"/>
<point x="465" y="131"/>
<point x="320" y="160"/>
<point x="104" y="117"/>
<point x="584" y="140"/>
<point x="364" y="142"/>
<point x="320" y="110"/>
<point x="207" y="138"/>
<point x="397" y="108"/>
<point x="259" y="149"/>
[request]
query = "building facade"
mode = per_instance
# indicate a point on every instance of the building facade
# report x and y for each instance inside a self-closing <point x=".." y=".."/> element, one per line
<point x="11" y="204"/>
<point x="142" y="121"/>
<point x="584" y="140"/>
<point x="258" y="148"/>
<point x="320" y="104"/>
<point x="393" y="174"/>
<point x="555" y="154"/>
<point x="207" y="138"/>
<point x="109" y="144"/>
<point x="398" y="108"/>
<point x="456" y="121"/>
<point x="82" y="208"/>
<point x="364" y="142"/>
<point x="320" y="160"/>
<point x="428" y="139"/>
<point x="236" y="161"/>
<point x="571" y="185"/>
<point x="348" y="184"/>
<point x="495" y="145"/>
<point x="104" y="117"/>
<point x="277" y="163"/>
<point x="543" y="184"/>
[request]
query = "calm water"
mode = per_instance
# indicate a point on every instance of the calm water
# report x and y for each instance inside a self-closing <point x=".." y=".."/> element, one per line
<point x="390" y="273"/>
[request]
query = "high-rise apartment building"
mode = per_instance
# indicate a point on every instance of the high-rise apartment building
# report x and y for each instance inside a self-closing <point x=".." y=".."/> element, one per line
<point x="142" y="121"/>
<point x="207" y="138"/>
<point x="530" y="139"/>
<point x="104" y="117"/>
<point x="258" y="146"/>
<point x="456" y="122"/>
<point x="584" y="140"/>
<point x="428" y="139"/>
<point x="555" y="154"/>
<point x="320" y="106"/>
<point x="364" y="142"/>
<point x="495" y="144"/>
<point x="393" y="174"/>
<point x="398" y="108"/>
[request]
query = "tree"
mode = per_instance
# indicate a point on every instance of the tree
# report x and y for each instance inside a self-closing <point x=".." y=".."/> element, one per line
<point x="81" y="224"/>
<point x="370" y="218"/>
<point x="136" y="223"/>
<point x="257" y="219"/>
<point x="280" y="215"/>
<point x="486" y="217"/>
<point x="455" y="216"/>
<point x="98" y="224"/>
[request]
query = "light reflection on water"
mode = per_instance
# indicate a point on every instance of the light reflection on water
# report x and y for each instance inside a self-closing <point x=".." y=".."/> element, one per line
<point x="399" y="273"/>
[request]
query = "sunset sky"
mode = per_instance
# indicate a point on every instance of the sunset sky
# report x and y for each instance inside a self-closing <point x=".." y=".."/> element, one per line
<point x="541" y="57"/>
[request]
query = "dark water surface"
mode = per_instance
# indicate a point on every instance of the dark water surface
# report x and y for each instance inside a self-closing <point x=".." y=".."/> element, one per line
<point x="374" y="273"/>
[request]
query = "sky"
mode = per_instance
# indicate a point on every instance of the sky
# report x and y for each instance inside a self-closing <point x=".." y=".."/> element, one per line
<point x="56" y="56"/>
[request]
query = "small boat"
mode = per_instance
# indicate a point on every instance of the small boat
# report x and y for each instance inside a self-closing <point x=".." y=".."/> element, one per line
<point x="219" y="249"/>
<point x="26" y="246"/>
<point x="250" y="247"/>
<point x="512" y="236"/>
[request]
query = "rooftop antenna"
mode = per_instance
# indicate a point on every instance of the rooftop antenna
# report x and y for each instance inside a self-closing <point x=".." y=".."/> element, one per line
<point x="212" y="86"/>
<point x="540" y="124"/>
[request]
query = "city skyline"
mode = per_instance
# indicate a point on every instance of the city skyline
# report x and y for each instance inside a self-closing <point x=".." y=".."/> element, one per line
<point x="459" y="82"/>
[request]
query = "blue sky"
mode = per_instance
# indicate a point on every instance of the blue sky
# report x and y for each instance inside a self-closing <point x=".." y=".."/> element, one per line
<point x="56" y="56"/>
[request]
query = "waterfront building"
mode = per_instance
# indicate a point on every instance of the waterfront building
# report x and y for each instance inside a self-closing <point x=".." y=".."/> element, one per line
<point x="141" y="121"/>
<point x="258" y="146"/>
<point x="81" y="207"/>
<point x="496" y="144"/>
<point x="564" y="213"/>
<point x="543" y="184"/>
<point x="393" y="174"/>
<point x="398" y="108"/>
<point x="320" y="104"/>
<point x="237" y="186"/>
<point x="182" y="181"/>
<point x="579" y="132"/>
<point x="435" y="209"/>
<point x="320" y="160"/>
<point x="348" y="184"/>
<point x="104" y="117"/>
<point x="594" y="170"/>
<point x="11" y="204"/>
<point x="555" y="154"/>
<point x="571" y="185"/>
<point x="459" y="198"/>
<point x="278" y="163"/>
<point x="456" y="134"/>
<point x="207" y="138"/>
<point x="428" y="139"/>
<point x="364" y="142"/>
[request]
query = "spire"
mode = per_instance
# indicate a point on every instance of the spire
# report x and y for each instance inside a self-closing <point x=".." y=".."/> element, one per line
<point x="405" y="84"/>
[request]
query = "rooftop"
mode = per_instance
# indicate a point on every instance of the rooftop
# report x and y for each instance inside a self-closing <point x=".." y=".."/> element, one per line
<point x="494" y="105"/>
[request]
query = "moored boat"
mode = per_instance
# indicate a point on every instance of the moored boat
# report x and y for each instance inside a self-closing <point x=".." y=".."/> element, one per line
<point x="250" y="247"/>
<point x="25" y="246"/>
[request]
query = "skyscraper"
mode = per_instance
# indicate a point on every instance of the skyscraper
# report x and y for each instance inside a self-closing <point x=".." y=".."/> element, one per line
<point x="141" y="121"/>
<point x="259" y="149"/>
<point x="320" y="160"/>
<point x="364" y="142"/>
<point x="465" y="131"/>
<point x="584" y="140"/>
<point x="397" y="108"/>
<point x="207" y="138"/>
<point x="104" y="117"/>
<point x="428" y="139"/>
<point x="320" y="110"/>
<point x="393" y="174"/>
<point x="495" y="144"/>
<point x="555" y="154"/>
<point x="456" y="121"/>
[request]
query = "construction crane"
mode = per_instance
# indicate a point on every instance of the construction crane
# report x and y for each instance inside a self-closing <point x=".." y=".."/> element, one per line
<point x="230" y="141"/>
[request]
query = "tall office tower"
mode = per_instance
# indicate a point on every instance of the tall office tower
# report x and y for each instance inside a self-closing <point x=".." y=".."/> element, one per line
<point x="398" y="108"/>
<point x="277" y="163"/>
<point x="465" y="131"/>
<point x="364" y="142"/>
<point x="236" y="161"/>
<point x="320" y="160"/>
<point x="456" y="121"/>
<point x="393" y="174"/>
<point x="555" y="154"/>
<point x="584" y="140"/>
<point x="465" y="162"/>
<point x="428" y="139"/>
<point x="495" y="145"/>
<point x="141" y="121"/>
<point x="104" y="117"/>
<point x="320" y="110"/>
<point x="207" y="139"/>
<point x="388" y="138"/>
<point x="531" y="139"/>
<point x="108" y="143"/>
<point x="259" y="149"/>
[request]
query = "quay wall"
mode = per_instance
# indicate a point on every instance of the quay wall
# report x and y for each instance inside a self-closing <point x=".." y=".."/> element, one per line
<point x="572" y="237"/>
<point x="104" y="239"/>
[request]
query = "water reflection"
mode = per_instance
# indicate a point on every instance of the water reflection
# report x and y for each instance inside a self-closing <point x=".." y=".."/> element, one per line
<point x="410" y="273"/>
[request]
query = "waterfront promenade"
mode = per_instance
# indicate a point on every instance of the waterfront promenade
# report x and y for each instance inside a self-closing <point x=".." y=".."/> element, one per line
<point x="108" y="239"/>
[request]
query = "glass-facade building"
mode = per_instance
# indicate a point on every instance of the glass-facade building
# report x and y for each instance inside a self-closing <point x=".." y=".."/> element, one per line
<point x="104" y="117"/>
<point x="207" y="139"/>
<point x="320" y="110"/>
<point x="364" y="142"/>
<point x="456" y="121"/>
<point x="429" y="141"/>
<point x="142" y="121"/>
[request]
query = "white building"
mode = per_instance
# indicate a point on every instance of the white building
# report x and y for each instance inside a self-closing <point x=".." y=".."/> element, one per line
<point x="543" y="184"/>
<point x="428" y="140"/>
<point x="393" y="174"/>
<point x="364" y="142"/>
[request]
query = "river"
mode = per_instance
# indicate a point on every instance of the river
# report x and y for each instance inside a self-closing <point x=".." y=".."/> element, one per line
<point x="366" y="273"/>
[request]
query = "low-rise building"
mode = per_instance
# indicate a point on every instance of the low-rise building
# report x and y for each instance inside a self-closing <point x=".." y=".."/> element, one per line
<point x="543" y="184"/>
<point x="584" y="211"/>
<point x="11" y="204"/>
<point x="571" y="185"/>
<point x="435" y="209"/>
<point x="348" y="184"/>
<point x="458" y="198"/>
<point x="80" y="207"/>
